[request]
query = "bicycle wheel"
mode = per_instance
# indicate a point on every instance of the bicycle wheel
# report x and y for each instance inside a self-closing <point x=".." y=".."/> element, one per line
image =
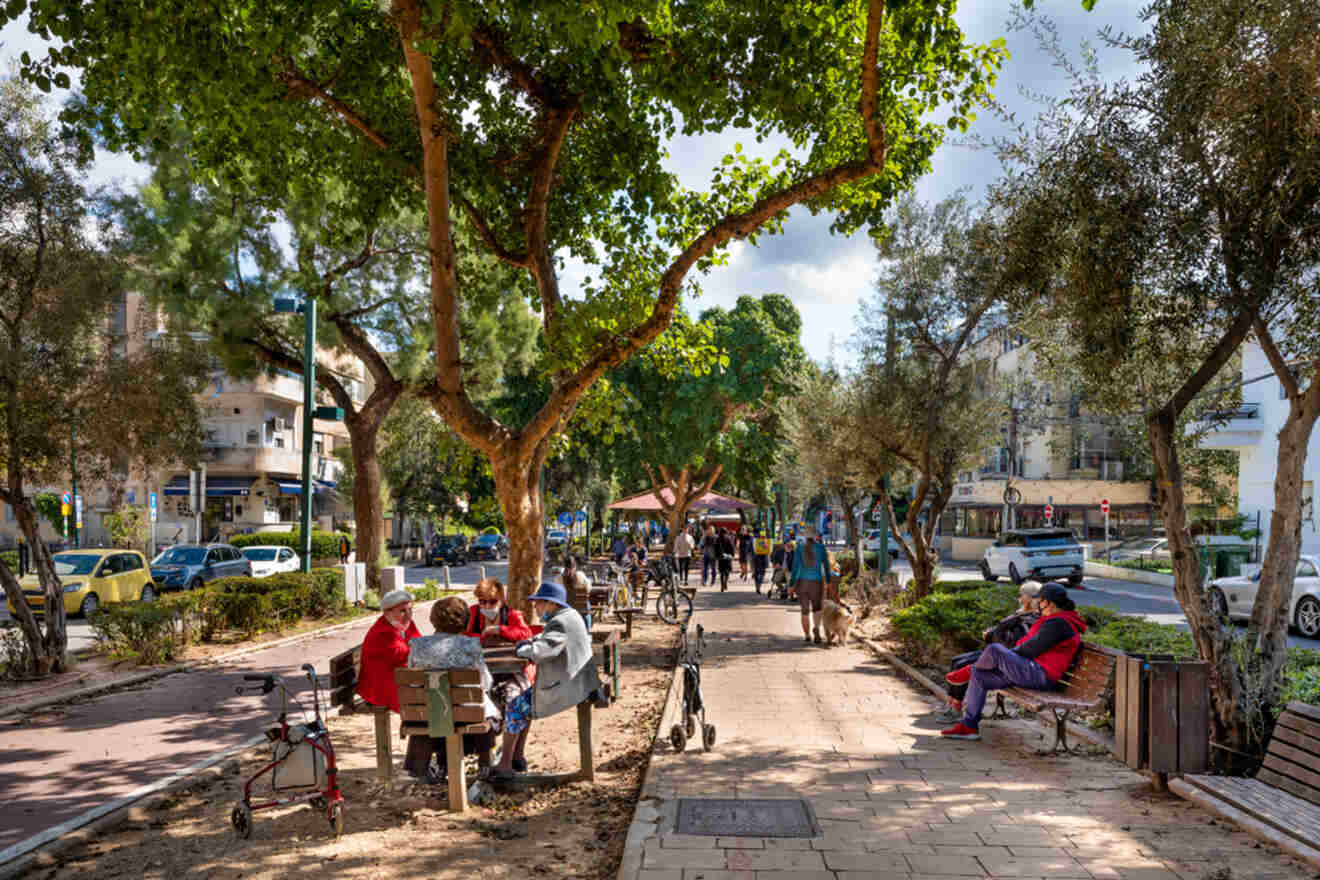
<point x="666" y="606"/>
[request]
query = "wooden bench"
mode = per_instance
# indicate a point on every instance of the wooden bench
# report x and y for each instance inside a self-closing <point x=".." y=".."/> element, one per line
<point x="1083" y="688"/>
<point x="448" y="703"/>
<point x="1282" y="804"/>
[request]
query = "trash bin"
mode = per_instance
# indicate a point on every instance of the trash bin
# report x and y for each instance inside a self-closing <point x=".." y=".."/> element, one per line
<point x="1162" y="713"/>
<point x="1229" y="561"/>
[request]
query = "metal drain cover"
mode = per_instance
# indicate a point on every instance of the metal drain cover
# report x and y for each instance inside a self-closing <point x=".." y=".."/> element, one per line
<point x="747" y="817"/>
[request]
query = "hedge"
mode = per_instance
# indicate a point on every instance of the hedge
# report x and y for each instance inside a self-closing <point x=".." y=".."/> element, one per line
<point x="325" y="545"/>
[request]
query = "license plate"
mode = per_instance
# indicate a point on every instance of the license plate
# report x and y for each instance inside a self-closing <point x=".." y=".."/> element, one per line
<point x="1058" y="552"/>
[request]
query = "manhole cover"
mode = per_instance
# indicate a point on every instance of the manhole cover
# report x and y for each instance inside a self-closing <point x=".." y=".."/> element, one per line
<point x="747" y="817"/>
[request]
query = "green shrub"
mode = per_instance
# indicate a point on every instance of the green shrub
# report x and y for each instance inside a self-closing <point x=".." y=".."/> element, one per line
<point x="961" y="586"/>
<point x="1154" y="565"/>
<point x="143" y="632"/>
<point x="427" y="591"/>
<point x="1302" y="685"/>
<point x="325" y="545"/>
<point x="1136" y="635"/>
<point x="253" y="604"/>
<point x="1096" y="617"/>
<point x="10" y="558"/>
<point x="952" y="621"/>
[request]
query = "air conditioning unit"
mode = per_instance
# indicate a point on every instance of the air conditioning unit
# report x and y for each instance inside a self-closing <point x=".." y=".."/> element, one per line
<point x="279" y="424"/>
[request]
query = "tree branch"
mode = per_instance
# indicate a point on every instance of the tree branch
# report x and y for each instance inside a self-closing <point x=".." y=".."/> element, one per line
<point x="1276" y="359"/>
<point x="487" y="236"/>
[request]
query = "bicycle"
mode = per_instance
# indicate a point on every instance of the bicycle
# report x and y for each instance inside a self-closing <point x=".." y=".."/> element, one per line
<point x="671" y="600"/>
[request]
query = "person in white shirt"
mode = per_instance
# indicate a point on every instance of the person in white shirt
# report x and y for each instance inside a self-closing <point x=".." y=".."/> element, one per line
<point x="683" y="545"/>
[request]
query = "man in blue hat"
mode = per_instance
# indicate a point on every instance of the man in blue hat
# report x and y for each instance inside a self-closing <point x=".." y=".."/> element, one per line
<point x="565" y="672"/>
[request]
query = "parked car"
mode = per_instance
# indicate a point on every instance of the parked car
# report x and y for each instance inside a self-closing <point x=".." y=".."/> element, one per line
<point x="1043" y="554"/>
<point x="556" y="538"/>
<point x="489" y="547"/>
<point x="191" y="566"/>
<point x="268" y="559"/>
<point x="871" y="544"/>
<point x="1154" y="548"/>
<point x="92" y="578"/>
<point x="1232" y="597"/>
<point x="448" y="550"/>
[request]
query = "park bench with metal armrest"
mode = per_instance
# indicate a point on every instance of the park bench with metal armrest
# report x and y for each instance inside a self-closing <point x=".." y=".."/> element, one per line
<point x="1082" y="688"/>
<point x="1282" y="804"/>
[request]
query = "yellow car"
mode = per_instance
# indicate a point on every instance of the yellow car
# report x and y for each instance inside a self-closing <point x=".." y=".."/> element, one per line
<point x="93" y="577"/>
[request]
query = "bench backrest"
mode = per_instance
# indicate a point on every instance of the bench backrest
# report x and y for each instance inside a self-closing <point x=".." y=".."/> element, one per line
<point x="344" y="671"/>
<point x="1292" y="761"/>
<point x="1090" y="673"/>
<point x="444" y="700"/>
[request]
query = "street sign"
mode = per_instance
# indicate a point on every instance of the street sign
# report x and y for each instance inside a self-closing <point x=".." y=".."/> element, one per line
<point x="565" y="518"/>
<point x="66" y="498"/>
<point x="151" y="505"/>
<point x="64" y="510"/>
<point x="1049" y="511"/>
<point x="580" y="516"/>
<point x="1104" y="505"/>
<point x="77" y="510"/>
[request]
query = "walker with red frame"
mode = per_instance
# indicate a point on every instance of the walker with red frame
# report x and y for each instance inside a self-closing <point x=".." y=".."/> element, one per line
<point x="302" y="761"/>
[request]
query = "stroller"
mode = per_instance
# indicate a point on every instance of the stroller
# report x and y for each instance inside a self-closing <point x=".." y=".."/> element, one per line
<point x="302" y="762"/>
<point x="693" y="704"/>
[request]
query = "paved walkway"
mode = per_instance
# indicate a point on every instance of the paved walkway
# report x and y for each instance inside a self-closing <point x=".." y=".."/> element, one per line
<point x="840" y="728"/>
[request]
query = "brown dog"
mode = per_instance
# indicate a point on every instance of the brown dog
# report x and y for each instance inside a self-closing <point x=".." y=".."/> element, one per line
<point x="836" y="618"/>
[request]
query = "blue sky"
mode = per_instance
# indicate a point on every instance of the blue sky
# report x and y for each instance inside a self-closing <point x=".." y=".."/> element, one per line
<point x="827" y="276"/>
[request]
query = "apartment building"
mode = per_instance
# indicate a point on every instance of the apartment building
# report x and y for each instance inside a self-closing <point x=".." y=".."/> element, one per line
<point x="1052" y="452"/>
<point x="252" y="454"/>
<point x="1252" y="431"/>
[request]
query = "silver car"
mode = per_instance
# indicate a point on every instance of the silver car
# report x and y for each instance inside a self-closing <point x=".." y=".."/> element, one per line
<point x="1232" y="597"/>
<point x="1152" y="549"/>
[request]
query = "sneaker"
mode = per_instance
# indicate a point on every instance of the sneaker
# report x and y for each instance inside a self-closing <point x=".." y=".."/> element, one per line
<point x="960" y="731"/>
<point x="519" y="765"/>
<point x="961" y="675"/>
<point x="955" y="705"/>
<point x="807" y="639"/>
<point x="817" y="638"/>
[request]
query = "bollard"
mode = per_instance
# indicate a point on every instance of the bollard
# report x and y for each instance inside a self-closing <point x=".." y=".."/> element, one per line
<point x="481" y="572"/>
<point x="447" y="577"/>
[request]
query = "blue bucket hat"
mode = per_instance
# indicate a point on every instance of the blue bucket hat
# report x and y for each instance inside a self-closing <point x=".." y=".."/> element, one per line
<point x="549" y="592"/>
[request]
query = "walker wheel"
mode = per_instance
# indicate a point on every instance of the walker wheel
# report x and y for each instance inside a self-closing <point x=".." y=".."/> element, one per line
<point x="337" y="818"/>
<point x="241" y="818"/>
<point x="708" y="737"/>
<point x="319" y="803"/>
<point x="690" y="726"/>
<point x="677" y="738"/>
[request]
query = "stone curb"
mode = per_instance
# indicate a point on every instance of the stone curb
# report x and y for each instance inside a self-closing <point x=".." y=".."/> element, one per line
<point x="1075" y="729"/>
<point x="1135" y="575"/>
<point x="649" y="811"/>
<point x="140" y="677"/>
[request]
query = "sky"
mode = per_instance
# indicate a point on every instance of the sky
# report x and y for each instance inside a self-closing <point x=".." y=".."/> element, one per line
<point x="827" y="276"/>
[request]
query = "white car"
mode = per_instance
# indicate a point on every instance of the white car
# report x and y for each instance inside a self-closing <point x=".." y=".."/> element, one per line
<point x="1042" y="554"/>
<point x="1232" y="597"/>
<point x="267" y="559"/>
<point x="871" y="543"/>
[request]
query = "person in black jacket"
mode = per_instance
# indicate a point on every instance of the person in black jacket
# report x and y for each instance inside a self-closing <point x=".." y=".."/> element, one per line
<point x="724" y="551"/>
<point x="1007" y="632"/>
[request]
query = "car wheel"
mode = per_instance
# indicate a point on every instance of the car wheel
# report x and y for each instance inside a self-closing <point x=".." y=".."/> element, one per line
<point x="195" y="584"/>
<point x="1013" y="575"/>
<point x="986" y="573"/>
<point x="1308" y="617"/>
<point x="148" y="594"/>
<point x="1218" y="604"/>
<point x="89" y="605"/>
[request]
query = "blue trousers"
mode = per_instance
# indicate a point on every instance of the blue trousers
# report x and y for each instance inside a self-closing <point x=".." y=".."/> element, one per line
<point x="999" y="667"/>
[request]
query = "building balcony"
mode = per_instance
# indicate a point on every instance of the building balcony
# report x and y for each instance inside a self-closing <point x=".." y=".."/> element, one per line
<point x="265" y="460"/>
<point x="1239" y="428"/>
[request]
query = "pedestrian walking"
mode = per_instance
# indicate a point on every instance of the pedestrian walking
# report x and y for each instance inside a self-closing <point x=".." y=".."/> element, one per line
<point x="683" y="554"/>
<point x="811" y="574"/>
<point x="744" y="551"/>
<point x="344" y="549"/>
<point x="760" y="558"/>
<point x="724" y="550"/>
<point x="709" y="554"/>
<point x="619" y="548"/>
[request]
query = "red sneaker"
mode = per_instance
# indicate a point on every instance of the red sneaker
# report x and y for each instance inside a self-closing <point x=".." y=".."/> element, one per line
<point x="961" y="675"/>
<point x="960" y="731"/>
<point x="955" y="705"/>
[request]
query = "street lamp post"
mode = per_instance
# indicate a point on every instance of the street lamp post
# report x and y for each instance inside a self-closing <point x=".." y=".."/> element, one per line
<point x="308" y="309"/>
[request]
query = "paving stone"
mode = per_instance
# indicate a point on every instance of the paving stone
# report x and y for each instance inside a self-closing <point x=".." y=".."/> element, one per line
<point x="686" y="841"/>
<point x="673" y="874"/>
<point x="775" y="860"/>
<point x="964" y="866"/>
<point x="877" y="862"/>
<point x="999" y="866"/>
<point x="740" y="842"/>
<point x="716" y="874"/>
<point x="683" y="858"/>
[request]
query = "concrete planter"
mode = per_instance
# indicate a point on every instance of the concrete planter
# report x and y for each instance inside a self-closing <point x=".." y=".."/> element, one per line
<point x="1118" y="573"/>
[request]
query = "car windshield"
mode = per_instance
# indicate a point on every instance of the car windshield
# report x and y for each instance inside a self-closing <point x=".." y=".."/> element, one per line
<point x="1061" y="539"/>
<point x="874" y="533"/>
<point x="260" y="554"/>
<point x="1141" y="545"/>
<point x="75" y="563"/>
<point x="181" y="556"/>
<point x="487" y="539"/>
<point x="556" y="534"/>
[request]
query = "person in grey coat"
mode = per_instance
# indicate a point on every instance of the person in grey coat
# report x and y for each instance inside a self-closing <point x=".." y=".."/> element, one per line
<point x="565" y="672"/>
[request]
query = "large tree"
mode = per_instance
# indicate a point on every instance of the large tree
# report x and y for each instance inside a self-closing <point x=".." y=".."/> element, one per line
<point x="73" y="384"/>
<point x="688" y="420"/>
<point x="546" y="127"/>
<point x="1154" y="225"/>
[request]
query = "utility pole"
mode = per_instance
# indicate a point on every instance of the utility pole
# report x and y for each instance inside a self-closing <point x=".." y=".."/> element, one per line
<point x="73" y="469"/>
<point x="309" y="412"/>
<point x="882" y="558"/>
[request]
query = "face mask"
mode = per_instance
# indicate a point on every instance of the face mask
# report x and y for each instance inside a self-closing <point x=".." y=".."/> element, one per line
<point x="545" y="618"/>
<point x="490" y="613"/>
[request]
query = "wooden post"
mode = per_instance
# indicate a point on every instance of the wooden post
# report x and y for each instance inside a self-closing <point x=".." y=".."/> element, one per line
<point x="384" y="759"/>
<point x="457" y="782"/>
<point x="587" y="773"/>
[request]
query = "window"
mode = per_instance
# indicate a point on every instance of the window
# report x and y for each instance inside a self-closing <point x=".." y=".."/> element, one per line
<point x="279" y="441"/>
<point x="285" y="554"/>
<point x="109" y="567"/>
<point x="1305" y="569"/>
<point x="318" y="443"/>
<point x="212" y="557"/>
<point x="253" y="437"/>
<point x="129" y="562"/>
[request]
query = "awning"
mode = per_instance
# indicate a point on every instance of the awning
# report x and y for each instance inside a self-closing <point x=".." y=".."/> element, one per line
<point x="709" y="501"/>
<point x="216" y="487"/>
<point x="294" y="487"/>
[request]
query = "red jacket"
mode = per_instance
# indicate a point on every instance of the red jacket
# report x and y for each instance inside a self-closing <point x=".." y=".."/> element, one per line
<point x="1053" y="642"/>
<point x="513" y="629"/>
<point x="383" y="651"/>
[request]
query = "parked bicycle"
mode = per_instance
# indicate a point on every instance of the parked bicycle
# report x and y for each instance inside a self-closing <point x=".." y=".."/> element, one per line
<point x="672" y="605"/>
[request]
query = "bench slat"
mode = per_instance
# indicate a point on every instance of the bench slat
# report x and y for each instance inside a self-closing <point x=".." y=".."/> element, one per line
<point x="1303" y="726"/>
<point x="1280" y="810"/>
<point x="1307" y="748"/>
<point x="1302" y="775"/>
<point x="1305" y="710"/>
<point x="1083" y="687"/>
<point x="1285" y="783"/>
<point x="421" y="712"/>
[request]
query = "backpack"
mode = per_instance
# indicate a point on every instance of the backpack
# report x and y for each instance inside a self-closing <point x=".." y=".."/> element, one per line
<point x="761" y="546"/>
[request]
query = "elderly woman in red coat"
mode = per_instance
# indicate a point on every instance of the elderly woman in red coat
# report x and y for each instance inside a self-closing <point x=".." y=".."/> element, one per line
<point x="385" y="649"/>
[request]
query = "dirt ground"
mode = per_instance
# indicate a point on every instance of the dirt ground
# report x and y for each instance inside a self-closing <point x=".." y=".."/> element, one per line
<point x="576" y="830"/>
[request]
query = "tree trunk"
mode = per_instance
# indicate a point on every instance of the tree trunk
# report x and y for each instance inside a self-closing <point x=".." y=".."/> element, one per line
<point x="1229" y="725"/>
<point x="1269" y="615"/>
<point x="48" y="649"/>
<point x="367" y="513"/>
<point x="518" y="487"/>
<point x="675" y="518"/>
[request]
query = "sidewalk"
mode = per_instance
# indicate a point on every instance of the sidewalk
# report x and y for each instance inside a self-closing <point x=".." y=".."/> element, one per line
<point x="59" y="762"/>
<point x="840" y="728"/>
